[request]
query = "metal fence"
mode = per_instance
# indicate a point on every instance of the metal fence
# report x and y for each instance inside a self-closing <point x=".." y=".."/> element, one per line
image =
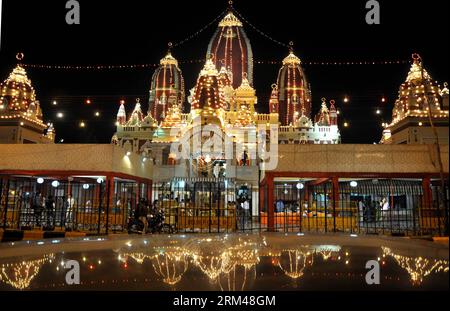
<point x="202" y="205"/>
<point x="205" y="205"/>
<point x="385" y="206"/>
<point x="88" y="205"/>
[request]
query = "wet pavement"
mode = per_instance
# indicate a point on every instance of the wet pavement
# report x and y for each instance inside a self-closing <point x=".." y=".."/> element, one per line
<point x="288" y="262"/>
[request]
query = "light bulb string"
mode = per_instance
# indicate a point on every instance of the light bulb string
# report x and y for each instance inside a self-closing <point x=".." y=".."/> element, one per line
<point x="262" y="33"/>
<point x="200" y="61"/>
<point x="197" y="33"/>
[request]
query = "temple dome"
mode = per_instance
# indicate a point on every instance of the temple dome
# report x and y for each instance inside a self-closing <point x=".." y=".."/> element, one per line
<point x="17" y="92"/>
<point x="208" y="98"/>
<point x="415" y="73"/>
<point x="231" y="48"/>
<point x="167" y="79"/>
<point x="294" y="94"/>
<point x="292" y="59"/>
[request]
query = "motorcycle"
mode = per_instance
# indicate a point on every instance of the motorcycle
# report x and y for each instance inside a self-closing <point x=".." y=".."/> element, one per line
<point x="156" y="224"/>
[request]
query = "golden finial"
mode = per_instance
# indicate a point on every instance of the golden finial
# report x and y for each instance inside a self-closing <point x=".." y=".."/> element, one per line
<point x="332" y="102"/>
<point x="245" y="75"/>
<point x="445" y="84"/>
<point x="169" y="46"/>
<point x="324" y="100"/>
<point x="291" y="46"/>
<point x="210" y="56"/>
<point x="274" y="87"/>
<point x="20" y="56"/>
<point x="230" y="4"/>
<point x="138" y="100"/>
<point x="416" y="58"/>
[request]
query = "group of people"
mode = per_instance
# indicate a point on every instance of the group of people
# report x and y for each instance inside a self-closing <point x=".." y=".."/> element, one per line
<point x="47" y="206"/>
<point x="371" y="211"/>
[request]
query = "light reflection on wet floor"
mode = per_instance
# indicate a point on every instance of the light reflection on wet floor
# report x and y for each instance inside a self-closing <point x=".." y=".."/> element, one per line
<point x="226" y="262"/>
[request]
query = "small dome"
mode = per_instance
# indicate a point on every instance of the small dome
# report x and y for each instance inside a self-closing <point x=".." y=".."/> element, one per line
<point x="208" y="98"/>
<point x="169" y="60"/>
<point x="137" y="116"/>
<point x="209" y="69"/>
<point x="292" y="59"/>
<point x="444" y="91"/>
<point x="230" y="20"/>
<point x="417" y="73"/>
<point x="245" y="89"/>
<point x="16" y="92"/>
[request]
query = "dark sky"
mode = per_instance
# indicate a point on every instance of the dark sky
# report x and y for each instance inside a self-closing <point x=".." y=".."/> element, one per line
<point x="136" y="31"/>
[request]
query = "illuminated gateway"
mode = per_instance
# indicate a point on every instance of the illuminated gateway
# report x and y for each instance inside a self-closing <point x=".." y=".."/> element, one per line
<point x="224" y="96"/>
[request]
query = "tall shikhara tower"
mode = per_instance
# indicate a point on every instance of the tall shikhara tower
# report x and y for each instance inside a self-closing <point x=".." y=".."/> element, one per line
<point x="231" y="48"/>
<point x="293" y="90"/>
<point x="166" y="81"/>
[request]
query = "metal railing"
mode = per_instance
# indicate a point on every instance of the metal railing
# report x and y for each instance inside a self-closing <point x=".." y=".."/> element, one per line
<point x="85" y="206"/>
<point x="370" y="206"/>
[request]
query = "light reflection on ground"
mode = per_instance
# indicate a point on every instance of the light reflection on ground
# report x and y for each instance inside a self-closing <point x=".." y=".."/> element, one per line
<point x="225" y="262"/>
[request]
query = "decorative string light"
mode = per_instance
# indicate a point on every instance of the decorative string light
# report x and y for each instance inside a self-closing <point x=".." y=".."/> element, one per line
<point x="418" y="267"/>
<point x="200" y="61"/>
<point x="197" y="33"/>
<point x="260" y="31"/>
<point x="19" y="275"/>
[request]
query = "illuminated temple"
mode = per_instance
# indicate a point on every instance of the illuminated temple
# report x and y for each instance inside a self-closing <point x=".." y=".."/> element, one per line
<point x="420" y="100"/>
<point x="224" y="97"/>
<point x="21" y="118"/>
<point x="212" y="162"/>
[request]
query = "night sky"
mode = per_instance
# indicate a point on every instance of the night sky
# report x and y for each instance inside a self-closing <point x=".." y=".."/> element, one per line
<point x="137" y="32"/>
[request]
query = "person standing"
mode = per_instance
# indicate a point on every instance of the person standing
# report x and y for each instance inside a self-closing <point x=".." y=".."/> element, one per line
<point x="50" y="210"/>
<point x="37" y="208"/>
<point x="246" y="211"/>
<point x="245" y="158"/>
<point x="70" y="203"/>
<point x="384" y="208"/>
<point x="361" y="211"/>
